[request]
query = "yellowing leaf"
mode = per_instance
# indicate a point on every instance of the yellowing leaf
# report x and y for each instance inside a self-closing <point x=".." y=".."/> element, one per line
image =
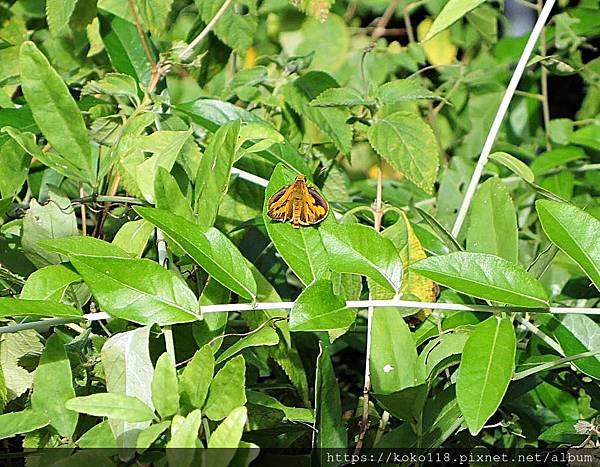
<point x="439" y="50"/>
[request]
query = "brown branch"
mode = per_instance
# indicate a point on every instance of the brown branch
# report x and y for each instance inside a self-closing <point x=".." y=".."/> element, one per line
<point x="384" y="20"/>
<point x="140" y="29"/>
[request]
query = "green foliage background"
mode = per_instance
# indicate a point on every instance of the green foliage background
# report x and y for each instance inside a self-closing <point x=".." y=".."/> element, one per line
<point x="139" y="144"/>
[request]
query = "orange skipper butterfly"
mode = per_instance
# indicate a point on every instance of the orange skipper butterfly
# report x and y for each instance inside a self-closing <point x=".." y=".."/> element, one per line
<point x="299" y="203"/>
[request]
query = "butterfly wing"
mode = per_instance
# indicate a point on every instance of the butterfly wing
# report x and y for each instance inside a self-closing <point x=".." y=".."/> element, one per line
<point x="280" y="205"/>
<point x="314" y="208"/>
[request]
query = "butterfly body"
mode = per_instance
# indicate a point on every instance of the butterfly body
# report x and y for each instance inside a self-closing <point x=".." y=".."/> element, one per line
<point x="299" y="203"/>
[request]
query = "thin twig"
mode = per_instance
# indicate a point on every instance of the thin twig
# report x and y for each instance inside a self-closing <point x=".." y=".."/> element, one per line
<point x="384" y="20"/>
<point x="491" y="137"/>
<point x="140" y="29"/>
<point x="163" y="260"/>
<point x="83" y="215"/>
<point x="185" y="53"/>
<point x="364" y="423"/>
<point x="544" y="86"/>
<point x="407" y="22"/>
<point x="361" y="304"/>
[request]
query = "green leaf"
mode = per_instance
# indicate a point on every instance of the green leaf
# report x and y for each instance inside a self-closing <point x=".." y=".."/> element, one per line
<point x="15" y="423"/>
<point x="196" y="378"/>
<point x="210" y="248"/>
<point x="575" y="232"/>
<point x="485" y="276"/>
<point x="113" y="405"/>
<point x="64" y="16"/>
<point x="137" y="290"/>
<point x="169" y="196"/>
<point x="513" y="164"/>
<point x="212" y="114"/>
<point x="556" y="158"/>
<point x="214" y="172"/>
<point x="328" y="420"/>
<point x="493" y="222"/>
<point x="577" y="334"/>
<point x="403" y="89"/>
<point x="84" y="246"/>
<point x="302" y="249"/>
<point x="99" y="436"/>
<point x="49" y="283"/>
<point x="21" y="307"/>
<point x="227" y="389"/>
<point x="394" y="364"/>
<point x="331" y="121"/>
<point x="148" y="435"/>
<point x="165" y="394"/>
<point x="265" y="337"/>
<point x="114" y="85"/>
<point x="299" y="414"/>
<point x="229" y="432"/>
<point x="165" y="147"/>
<point x="53" y="386"/>
<point x="185" y="436"/>
<point x="41" y="222"/>
<point x="588" y="136"/>
<point x="55" y="112"/>
<point x="409" y="145"/>
<point x="452" y="12"/>
<point x="212" y="324"/>
<point x="358" y="249"/>
<point x="486" y="367"/>
<point x="319" y="309"/>
<point x="19" y="119"/>
<point x="154" y="15"/>
<point x="133" y="236"/>
<point x="340" y="97"/>
<point x="13" y="168"/>
<point x="125" y="49"/>
<point x="234" y="29"/>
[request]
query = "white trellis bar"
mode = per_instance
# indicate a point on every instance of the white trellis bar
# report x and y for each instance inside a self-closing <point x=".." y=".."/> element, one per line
<point x="241" y="307"/>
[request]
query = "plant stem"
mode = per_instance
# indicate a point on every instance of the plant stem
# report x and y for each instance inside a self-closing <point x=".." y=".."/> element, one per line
<point x="544" y="86"/>
<point x="163" y="260"/>
<point x="185" y="53"/>
<point x="140" y="29"/>
<point x="364" y="423"/>
<point x="407" y="22"/>
<point x="384" y="20"/>
<point x="83" y="220"/>
<point x="491" y="137"/>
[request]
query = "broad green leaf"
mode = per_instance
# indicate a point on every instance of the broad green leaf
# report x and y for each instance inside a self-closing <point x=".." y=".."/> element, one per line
<point x="406" y="404"/>
<point x="137" y="290"/>
<point x="299" y="414"/>
<point x="19" y="119"/>
<point x="556" y="158"/>
<point x="331" y="121"/>
<point x="485" y="276"/>
<point x="403" y="89"/>
<point x="169" y="196"/>
<point x="563" y="433"/>
<point x="13" y="347"/>
<point x="148" y="435"/>
<point x="133" y="237"/>
<point x="394" y="364"/>
<point x="99" y="436"/>
<point x="575" y="232"/>
<point x="21" y="307"/>
<point x="358" y="249"/>
<point x="125" y="49"/>
<point x="184" y="436"/>
<point x="14" y="165"/>
<point x="15" y="423"/>
<point x="165" y="146"/>
<point x="493" y="222"/>
<point x="212" y="114"/>
<point x="129" y="371"/>
<point x="212" y="324"/>
<point x="328" y="411"/>
<point x="229" y="432"/>
<point x="325" y="45"/>
<point x="302" y="249"/>
<point x="561" y="402"/>
<point x="234" y="29"/>
<point x="112" y="405"/>
<point x="486" y="367"/>
<point x="577" y="334"/>
<point x="319" y="309"/>
<point x="64" y="16"/>
<point x="49" y="283"/>
<point x="227" y="389"/>
<point x="154" y="15"/>
<point x="114" y="85"/>
<point x="588" y="136"/>
<point x="513" y="164"/>
<point x="340" y="97"/>
<point x="442" y="352"/>
<point x="196" y="378"/>
<point x="409" y="145"/>
<point x="53" y="386"/>
<point x="214" y="172"/>
<point x="84" y="246"/>
<point x="265" y="337"/>
<point x="42" y="222"/>
<point x="452" y="12"/>
<point x="210" y="248"/>
<point x="55" y="111"/>
<point x="439" y="50"/>
<point x="165" y="394"/>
